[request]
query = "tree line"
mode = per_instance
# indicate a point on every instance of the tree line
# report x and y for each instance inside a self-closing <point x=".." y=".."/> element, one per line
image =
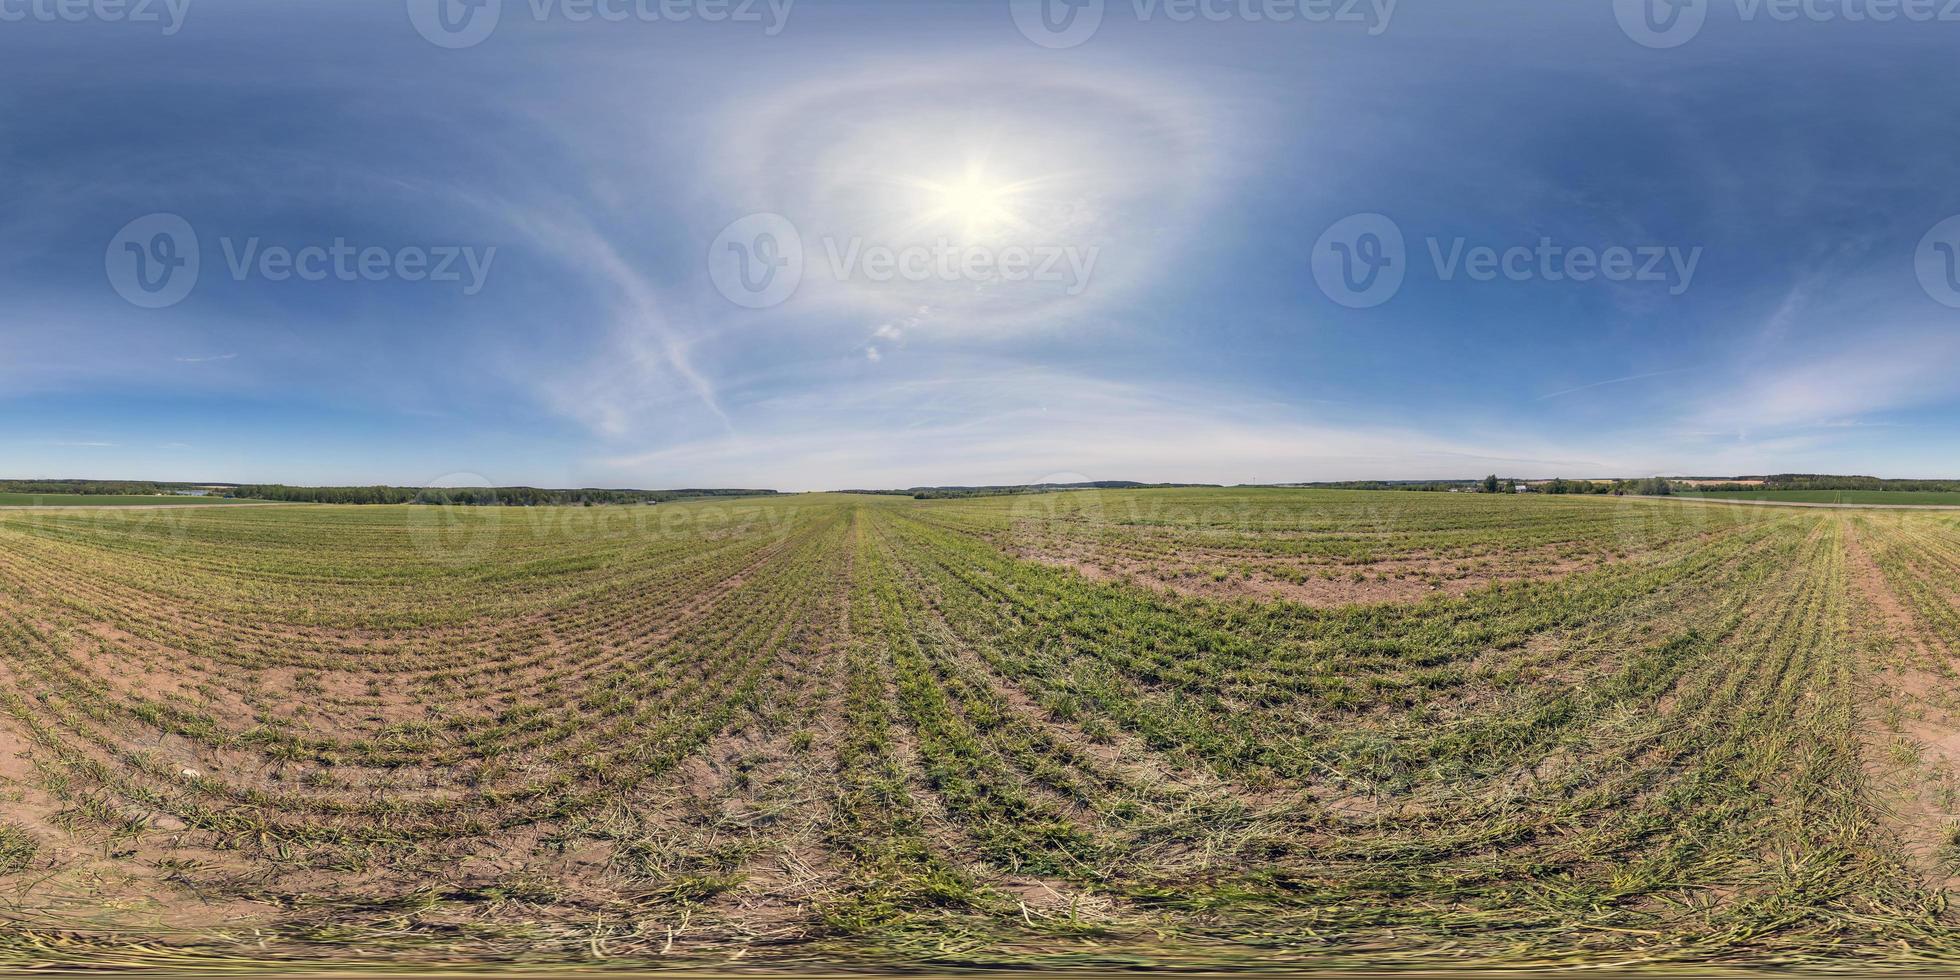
<point x="474" y="496"/>
<point x="1812" y="481"/>
<point x="94" y="488"/>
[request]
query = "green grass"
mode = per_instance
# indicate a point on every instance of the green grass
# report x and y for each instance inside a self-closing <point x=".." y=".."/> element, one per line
<point x="1914" y="497"/>
<point x="17" y="849"/>
<point x="103" y="500"/>
<point x="1195" y="728"/>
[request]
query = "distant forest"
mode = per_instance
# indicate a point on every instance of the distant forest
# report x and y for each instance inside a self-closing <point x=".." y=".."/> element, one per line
<point x="1814" y="481"/>
<point x="947" y="493"/>
<point x="95" y="488"/>
<point x="535" y="497"/>
<point x="467" y="496"/>
<point x="1494" y="484"/>
<point x="1433" y="486"/>
<point x="1653" y="486"/>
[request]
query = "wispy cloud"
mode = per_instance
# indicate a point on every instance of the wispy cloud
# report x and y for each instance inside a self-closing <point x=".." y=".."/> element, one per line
<point x="643" y="352"/>
<point x="1032" y="426"/>
<point x="1615" y="381"/>
<point x="206" y="359"/>
<point x="1834" y="383"/>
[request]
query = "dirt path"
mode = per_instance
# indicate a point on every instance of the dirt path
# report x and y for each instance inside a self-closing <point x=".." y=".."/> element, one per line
<point x="1912" y="746"/>
<point x="1870" y="582"/>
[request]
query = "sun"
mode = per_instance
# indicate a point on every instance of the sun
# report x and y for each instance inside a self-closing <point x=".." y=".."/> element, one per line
<point x="977" y="203"/>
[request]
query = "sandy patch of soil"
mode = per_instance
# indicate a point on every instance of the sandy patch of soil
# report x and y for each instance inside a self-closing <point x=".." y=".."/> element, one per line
<point x="1912" y="745"/>
<point x="1398" y="581"/>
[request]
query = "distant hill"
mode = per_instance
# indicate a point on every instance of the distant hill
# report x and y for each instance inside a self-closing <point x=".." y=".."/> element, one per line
<point x="1822" y="481"/>
<point x="939" y="493"/>
<point x="470" y="496"/>
<point x="1379" y="484"/>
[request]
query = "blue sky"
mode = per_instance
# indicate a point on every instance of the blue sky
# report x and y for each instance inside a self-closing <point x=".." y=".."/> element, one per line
<point x="1189" y="183"/>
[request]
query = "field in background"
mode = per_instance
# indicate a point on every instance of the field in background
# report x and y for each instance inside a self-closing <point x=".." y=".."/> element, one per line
<point x="1913" y="497"/>
<point x="1195" y="727"/>
<point x="104" y="500"/>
